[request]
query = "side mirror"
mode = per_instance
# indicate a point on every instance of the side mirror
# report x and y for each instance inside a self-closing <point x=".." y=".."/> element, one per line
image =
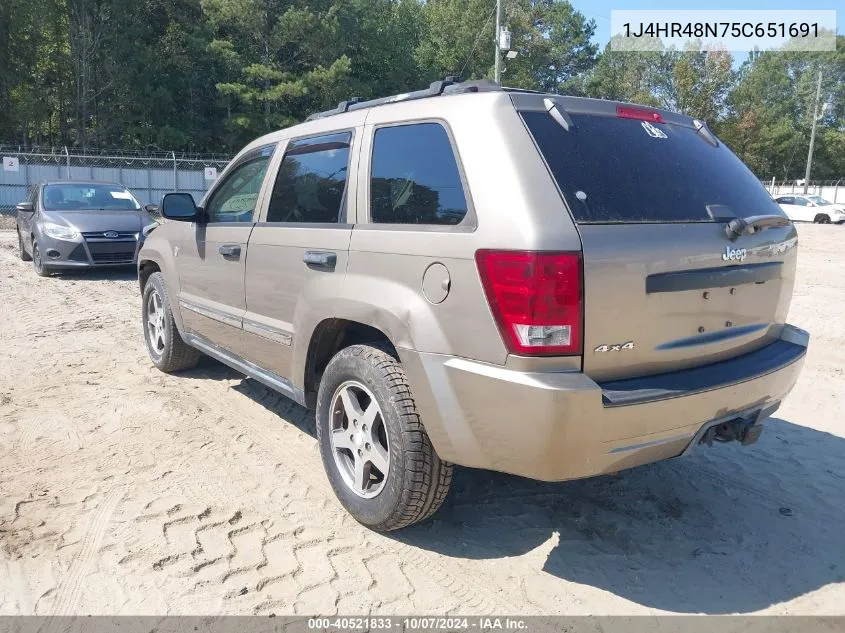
<point x="180" y="207"/>
<point x="152" y="209"/>
<point x="25" y="207"/>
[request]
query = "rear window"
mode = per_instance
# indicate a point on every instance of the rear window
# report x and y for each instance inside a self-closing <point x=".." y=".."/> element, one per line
<point x="615" y="170"/>
<point x="415" y="177"/>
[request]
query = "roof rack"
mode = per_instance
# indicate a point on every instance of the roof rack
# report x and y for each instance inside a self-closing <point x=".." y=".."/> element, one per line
<point x="448" y="85"/>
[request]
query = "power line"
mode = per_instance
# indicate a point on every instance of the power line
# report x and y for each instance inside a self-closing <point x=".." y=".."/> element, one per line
<point x="477" y="37"/>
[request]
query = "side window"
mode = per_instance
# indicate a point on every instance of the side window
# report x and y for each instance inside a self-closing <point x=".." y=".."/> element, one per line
<point x="785" y="200"/>
<point x="801" y="202"/>
<point x="236" y="197"/>
<point x="311" y="181"/>
<point x="414" y="177"/>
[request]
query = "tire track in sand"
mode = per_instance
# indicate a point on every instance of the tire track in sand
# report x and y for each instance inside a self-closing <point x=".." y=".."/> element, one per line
<point x="307" y="464"/>
<point x="70" y="588"/>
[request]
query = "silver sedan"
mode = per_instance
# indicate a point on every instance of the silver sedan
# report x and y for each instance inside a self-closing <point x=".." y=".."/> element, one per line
<point x="80" y="224"/>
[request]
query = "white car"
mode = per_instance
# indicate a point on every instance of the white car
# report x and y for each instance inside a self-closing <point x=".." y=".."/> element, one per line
<point x="806" y="208"/>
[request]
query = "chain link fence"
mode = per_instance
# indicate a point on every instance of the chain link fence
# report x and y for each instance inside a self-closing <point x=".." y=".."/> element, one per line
<point x="830" y="190"/>
<point x="147" y="175"/>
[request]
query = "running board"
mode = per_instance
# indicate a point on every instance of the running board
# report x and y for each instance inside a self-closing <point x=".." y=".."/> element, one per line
<point x="251" y="370"/>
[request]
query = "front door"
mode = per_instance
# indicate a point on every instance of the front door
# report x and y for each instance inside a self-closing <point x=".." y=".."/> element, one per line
<point x="212" y="255"/>
<point x="802" y="211"/>
<point x="301" y="248"/>
<point x="27" y="218"/>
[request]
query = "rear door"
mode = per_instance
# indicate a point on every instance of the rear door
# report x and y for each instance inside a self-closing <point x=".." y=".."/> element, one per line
<point x="802" y="211"/>
<point x="300" y="246"/>
<point x="651" y="194"/>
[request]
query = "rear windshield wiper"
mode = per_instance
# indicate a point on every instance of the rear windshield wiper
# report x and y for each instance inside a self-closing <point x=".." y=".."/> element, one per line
<point x="753" y="224"/>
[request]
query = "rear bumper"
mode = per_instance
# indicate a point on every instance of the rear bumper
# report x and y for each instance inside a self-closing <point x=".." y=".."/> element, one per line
<point x="563" y="425"/>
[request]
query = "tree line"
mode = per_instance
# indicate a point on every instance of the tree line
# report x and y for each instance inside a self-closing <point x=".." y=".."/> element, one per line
<point x="209" y="75"/>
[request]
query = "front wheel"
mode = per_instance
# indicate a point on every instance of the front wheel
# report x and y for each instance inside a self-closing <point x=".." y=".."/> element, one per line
<point x="377" y="455"/>
<point x="822" y="218"/>
<point x="164" y="343"/>
<point x="38" y="263"/>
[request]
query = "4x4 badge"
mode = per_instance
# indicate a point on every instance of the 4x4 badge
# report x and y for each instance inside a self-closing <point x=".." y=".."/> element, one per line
<point x="618" y="347"/>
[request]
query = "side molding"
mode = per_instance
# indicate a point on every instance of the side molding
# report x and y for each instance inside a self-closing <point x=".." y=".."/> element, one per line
<point x="251" y="370"/>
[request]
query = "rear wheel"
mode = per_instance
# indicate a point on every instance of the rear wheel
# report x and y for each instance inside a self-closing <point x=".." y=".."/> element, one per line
<point x="377" y="455"/>
<point x="21" y="250"/>
<point x="822" y="218"/>
<point x="164" y="343"/>
<point x="37" y="263"/>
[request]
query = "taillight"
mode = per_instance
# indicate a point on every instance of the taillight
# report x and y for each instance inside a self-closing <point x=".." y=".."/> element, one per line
<point x="640" y="114"/>
<point x="535" y="298"/>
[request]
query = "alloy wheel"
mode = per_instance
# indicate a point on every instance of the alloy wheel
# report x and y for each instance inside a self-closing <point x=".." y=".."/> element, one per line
<point x="156" y="334"/>
<point x="359" y="439"/>
<point x="36" y="257"/>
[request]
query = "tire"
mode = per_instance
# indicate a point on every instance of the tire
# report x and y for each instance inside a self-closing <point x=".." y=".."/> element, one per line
<point x="37" y="263"/>
<point x="26" y="257"/>
<point x="822" y="218"/>
<point x="168" y="351"/>
<point x="417" y="480"/>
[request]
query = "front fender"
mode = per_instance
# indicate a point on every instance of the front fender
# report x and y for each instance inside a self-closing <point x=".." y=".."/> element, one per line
<point x="158" y="249"/>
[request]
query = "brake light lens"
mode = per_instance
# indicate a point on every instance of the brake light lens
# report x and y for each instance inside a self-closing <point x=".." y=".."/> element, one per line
<point x="640" y="114"/>
<point x="536" y="299"/>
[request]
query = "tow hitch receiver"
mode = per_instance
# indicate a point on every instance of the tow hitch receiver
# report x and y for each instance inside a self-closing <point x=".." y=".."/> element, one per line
<point x="741" y="430"/>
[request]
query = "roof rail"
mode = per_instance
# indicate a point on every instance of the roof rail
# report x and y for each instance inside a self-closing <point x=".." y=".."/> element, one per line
<point x="448" y="85"/>
<point x="342" y="107"/>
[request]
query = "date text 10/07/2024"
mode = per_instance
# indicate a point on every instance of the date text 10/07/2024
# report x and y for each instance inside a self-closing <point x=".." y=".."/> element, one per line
<point x="721" y="29"/>
<point x="375" y="623"/>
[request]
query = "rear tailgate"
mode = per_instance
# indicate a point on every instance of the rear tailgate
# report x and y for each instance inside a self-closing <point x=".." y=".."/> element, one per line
<point x="664" y="286"/>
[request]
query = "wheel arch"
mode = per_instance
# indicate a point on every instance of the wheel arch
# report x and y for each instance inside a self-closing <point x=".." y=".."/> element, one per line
<point x="146" y="267"/>
<point x="329" y="337"/>
<point x="152" y="259"/>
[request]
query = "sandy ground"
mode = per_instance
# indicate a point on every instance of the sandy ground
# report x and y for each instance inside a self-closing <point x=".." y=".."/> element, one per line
<point x="126" y="491"/>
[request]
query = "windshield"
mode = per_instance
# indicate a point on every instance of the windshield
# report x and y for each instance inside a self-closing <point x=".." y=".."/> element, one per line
<point x="73" y="196"/>
<point x="613" y="170"/>
<point x="819" y="200"/>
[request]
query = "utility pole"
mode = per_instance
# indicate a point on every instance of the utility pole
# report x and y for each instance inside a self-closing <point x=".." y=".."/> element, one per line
<point x="497" y="72"/>
<point x="812" y="132"/>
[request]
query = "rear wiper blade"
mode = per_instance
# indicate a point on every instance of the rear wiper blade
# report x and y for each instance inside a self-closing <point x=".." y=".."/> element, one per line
<point x="753" y="224"/>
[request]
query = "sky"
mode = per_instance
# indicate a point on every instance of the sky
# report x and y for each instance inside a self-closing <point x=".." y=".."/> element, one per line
<point x="599" y="10"/>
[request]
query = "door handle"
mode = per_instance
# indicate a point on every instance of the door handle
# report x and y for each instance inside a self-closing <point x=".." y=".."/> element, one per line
<point x="324" y="260"/>
<point x="230" y="251"/>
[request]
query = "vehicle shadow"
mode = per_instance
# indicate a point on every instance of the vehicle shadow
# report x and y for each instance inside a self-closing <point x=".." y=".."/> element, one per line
<point x="727" y="529"/>
<point x="723" y="530"/>
<point x="98" y="274"/>
<point x="283" y="407"/>
<point x="209" y="368"/>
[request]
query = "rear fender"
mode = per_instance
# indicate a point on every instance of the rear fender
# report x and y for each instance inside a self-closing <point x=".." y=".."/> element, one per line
<point x="399" y="312"/>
